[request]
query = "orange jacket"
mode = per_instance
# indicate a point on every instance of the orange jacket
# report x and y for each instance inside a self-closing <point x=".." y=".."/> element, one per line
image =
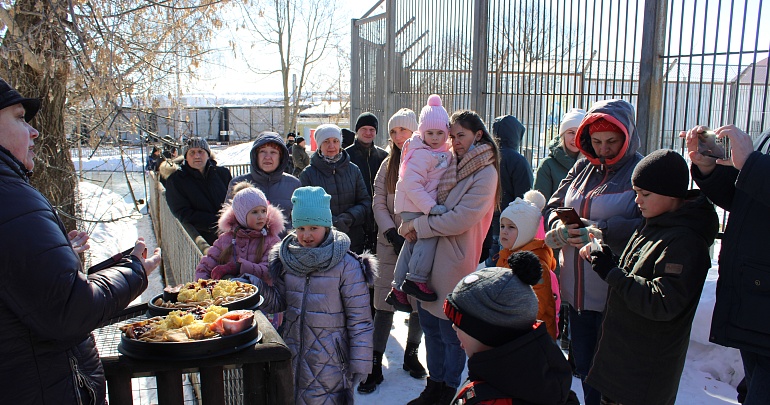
<point x="546" y="311"/>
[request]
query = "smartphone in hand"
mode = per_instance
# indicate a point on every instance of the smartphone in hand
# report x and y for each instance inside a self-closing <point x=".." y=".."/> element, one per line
<point x="569" y="216"/>
<point x="711" y="146"/>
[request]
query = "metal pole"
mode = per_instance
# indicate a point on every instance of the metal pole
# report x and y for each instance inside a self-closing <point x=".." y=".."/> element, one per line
<point x="355" y="73"/>
<point x="649" y="106"/>
<point x="479" y="74"/>
<point x="390" y="68"/>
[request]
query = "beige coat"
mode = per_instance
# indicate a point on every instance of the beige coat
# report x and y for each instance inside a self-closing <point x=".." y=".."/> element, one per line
<point x="462" y="230"/>
<point x="382" y="206"/>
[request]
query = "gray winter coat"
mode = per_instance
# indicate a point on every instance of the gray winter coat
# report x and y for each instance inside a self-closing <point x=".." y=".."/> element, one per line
<point x="344" y="182"/>
<point x="327" y="324"/>
<point x="277" y="186"/>
<point x="601" y="192"/>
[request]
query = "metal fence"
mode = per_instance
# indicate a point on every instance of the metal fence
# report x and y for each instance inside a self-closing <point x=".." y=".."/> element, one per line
<point x="681" y="63"/>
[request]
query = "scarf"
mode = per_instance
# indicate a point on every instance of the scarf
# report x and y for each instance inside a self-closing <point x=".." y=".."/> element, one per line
<point x="475" y="159"/>
<point x="302" y="261"/>
<point x="331" y="160"/>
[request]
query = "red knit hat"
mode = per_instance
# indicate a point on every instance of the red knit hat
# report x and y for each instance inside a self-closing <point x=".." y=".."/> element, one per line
<point x="602" y="125"/>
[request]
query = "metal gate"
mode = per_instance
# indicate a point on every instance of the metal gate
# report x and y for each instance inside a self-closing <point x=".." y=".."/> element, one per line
<point x="681" y="63"/>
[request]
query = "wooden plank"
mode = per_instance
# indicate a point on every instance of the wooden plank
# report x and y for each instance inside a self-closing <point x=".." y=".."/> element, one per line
<point x="282" y="379"/>
<point x="213" y="385"/>
<point x="255" y="386"/>
<point x="170" y="387"/>
<point x="119" y="387"/>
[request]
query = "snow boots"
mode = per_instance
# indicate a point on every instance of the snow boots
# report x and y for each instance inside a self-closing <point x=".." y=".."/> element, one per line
<point x="412" y="362"/>
<point x="373" y="379"/>
<point x="430" y="394"/>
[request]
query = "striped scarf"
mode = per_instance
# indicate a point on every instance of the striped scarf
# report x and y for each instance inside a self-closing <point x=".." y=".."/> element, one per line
<point x="476" y="159"/>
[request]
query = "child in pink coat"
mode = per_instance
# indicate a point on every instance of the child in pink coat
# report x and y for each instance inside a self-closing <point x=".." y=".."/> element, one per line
<point x="248" y="228"/>
<point x="424" y="160"/>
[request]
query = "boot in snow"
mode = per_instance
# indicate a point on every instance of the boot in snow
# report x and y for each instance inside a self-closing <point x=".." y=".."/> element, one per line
<point x="412" y="362"/>
<point x="368" y="386"/>
<point x="430" y="394"/>
<point x="446" y="395"/>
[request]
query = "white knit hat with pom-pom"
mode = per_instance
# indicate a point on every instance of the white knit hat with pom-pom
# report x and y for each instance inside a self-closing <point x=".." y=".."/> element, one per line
<point x="433" y="115"/>
<point x="525" y="214"/>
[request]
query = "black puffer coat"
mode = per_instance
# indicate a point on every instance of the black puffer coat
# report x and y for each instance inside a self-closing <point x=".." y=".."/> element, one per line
<point x="48" y="305"/>
<point x="528" y="370"/>
<point x="277" y="186"/>
<point x="741" y="319"/>
<point x="196" y="197"/>
<point x="368" y="159"/>
<point x="344" y="182"/>
<point x="651" y="304"/>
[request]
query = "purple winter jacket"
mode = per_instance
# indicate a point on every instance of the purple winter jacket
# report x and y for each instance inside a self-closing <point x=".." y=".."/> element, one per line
<point x="600" y="191"/>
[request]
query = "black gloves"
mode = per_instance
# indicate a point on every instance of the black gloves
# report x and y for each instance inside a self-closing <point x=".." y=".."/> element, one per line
<point x="395" y="239"/>
<point x="343" y="222"/>
<point x="603" y="261"/>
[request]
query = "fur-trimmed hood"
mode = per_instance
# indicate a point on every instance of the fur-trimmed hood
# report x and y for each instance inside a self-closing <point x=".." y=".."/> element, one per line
<point x="275" y="220"/>
<point x="168" y="166"/>
<point x="368" y="261"/>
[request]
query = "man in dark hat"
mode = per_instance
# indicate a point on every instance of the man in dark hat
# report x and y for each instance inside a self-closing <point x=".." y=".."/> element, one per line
<point x="368" y="157"/>
<point x="48" y="304"/>
<point x="196" y="191"/>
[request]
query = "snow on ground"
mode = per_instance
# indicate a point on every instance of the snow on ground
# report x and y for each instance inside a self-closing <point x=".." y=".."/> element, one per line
<point x="710" y="375"/>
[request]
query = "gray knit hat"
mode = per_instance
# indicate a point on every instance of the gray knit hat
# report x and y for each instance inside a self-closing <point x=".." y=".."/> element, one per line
<point x="404" y="118"/>
<point x="496" y="305"/>
<point x="197" y="143"/>
<point x="326" y="131"/>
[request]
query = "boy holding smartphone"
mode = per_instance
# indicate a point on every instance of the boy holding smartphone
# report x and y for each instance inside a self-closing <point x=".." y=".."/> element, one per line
<point x="655" y="286"/>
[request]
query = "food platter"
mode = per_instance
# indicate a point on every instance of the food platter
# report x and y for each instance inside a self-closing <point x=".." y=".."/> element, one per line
<point x="159" y="305"/>
<point x="189" y="350"/>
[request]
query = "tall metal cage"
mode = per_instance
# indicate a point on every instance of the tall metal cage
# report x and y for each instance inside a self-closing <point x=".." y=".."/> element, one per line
<point x="681" y="63"/>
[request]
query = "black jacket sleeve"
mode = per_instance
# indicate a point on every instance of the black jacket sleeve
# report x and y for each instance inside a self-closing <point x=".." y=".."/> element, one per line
<point x="43" y="283"/>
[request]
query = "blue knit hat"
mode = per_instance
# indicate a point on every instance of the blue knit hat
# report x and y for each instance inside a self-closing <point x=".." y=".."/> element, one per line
<point x="311" y="207"/>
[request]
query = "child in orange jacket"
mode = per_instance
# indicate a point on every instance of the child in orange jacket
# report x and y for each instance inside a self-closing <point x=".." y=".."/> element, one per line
<point x="518" y="226"/>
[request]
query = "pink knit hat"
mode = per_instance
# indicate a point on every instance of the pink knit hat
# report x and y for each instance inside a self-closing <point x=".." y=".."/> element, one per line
<point x="433" y="116"/>
<point x="245" y="201"/>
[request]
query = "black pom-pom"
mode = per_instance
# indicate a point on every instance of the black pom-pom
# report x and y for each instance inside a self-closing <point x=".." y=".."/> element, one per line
<point x="526" y="266"/>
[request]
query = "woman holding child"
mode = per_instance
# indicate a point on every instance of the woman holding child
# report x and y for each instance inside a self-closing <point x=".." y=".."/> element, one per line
<point x="400" y="127"/>
<point x="465" y="190"/>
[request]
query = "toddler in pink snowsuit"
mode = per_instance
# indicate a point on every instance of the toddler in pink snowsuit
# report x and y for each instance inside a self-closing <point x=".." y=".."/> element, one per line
<point x="425" y="158"/>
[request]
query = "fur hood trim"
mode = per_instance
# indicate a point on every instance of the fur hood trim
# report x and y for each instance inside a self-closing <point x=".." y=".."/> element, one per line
<point x="368" y="261"/>
<point x="275" y="220"/>
<point x="168" y="167"/>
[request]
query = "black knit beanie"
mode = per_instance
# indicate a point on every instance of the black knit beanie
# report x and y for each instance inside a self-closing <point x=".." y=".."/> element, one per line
<point x="366" y="119"/>
<point x="662" y="172"/>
